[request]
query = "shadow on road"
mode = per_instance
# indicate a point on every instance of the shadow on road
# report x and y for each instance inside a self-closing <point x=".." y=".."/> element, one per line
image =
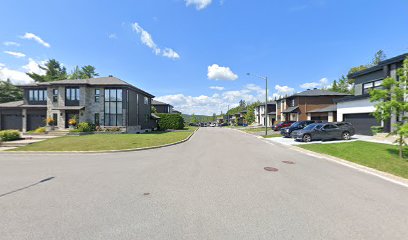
<point x="31" y="185"/>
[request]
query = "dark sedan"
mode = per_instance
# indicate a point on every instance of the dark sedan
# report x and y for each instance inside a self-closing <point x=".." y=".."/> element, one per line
<point x="324" y="131"/>
<point x="286" y="132"/>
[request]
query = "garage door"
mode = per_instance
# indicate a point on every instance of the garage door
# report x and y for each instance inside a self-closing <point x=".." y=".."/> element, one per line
<point x="362" y="122"/>
<point x="11" y="121"/>
<point x="35" y="121"/>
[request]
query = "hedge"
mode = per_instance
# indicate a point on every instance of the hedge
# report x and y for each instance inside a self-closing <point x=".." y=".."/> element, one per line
<point x="170" y="121"/>
<point x="9" y="135"/>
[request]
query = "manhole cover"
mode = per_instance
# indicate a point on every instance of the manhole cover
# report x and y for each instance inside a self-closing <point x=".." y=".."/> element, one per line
<point x="288" y="162"/>
<point x="271" y="169"/>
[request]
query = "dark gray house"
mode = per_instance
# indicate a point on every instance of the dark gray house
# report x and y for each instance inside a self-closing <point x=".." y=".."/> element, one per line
<point x="105" y="101"/>
<point x="358" y="109"/>
<point x="162" y="107"/>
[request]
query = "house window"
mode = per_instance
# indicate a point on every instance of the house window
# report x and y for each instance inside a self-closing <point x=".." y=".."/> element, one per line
<point x="97" y="94"/>
<point x="37" y="95"/>
<point x="146" y="100"/>
<point x="96" y="120"/>
<point x="367" y="87"/>
<point x="55" y="95"/>
<point x="72" y="94"/>
<point x="113" y="107"/>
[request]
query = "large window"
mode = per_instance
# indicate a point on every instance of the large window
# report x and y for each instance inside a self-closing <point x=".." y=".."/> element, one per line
<point x="37" y="95"/>
<point x="372" y="85"/>
<point x="113" y="107"/>
<point x="72" y="93"/>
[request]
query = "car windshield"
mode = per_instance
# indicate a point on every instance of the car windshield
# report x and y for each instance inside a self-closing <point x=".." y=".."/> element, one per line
<point x="312" y="126"/>
<point x="296" y="124"/>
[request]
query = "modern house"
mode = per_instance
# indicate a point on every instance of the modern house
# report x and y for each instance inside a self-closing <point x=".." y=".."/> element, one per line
<point x="106" y="101"/>
<point x="270" y="116"/>
<point x="358" y="109"/>
<point x="162" y="107"/>
<point x="315" y="104"/>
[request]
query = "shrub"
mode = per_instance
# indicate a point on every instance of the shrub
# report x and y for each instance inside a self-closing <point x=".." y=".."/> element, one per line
<point x="170" y="121"/>
<point x="40" y="130"/>
<point x="377" y="129"/>
<point x="85" y="127"/>
<point x="9" y="135"/>
<point x="50" y="121"/>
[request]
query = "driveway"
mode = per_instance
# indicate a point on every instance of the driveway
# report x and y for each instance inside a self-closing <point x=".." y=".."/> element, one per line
<point x="292" y="142"/>
<point x="211" y="187"/>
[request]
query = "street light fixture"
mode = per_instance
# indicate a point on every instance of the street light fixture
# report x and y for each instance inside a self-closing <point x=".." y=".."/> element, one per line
<point x="266" y="100"/>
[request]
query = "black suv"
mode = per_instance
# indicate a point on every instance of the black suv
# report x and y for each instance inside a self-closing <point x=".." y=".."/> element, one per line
<point x="324" y="131"/>
<point x="286" y="132"/>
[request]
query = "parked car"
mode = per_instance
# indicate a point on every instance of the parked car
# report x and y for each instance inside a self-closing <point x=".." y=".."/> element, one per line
<point x="324" y="131"/>
<point x="212" y="125"/>
<point x="286" y="132"/>
<point x="284" y="124"/>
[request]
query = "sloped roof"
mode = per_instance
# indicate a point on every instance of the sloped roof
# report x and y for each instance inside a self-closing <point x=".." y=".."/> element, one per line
<point x="318" y="92"/>
<point x="380" y="65"/>
<point x="331" y="108"/>
<point x="155" y="102"/>
<point x="12" y="104"/>
<point x="290" y="109"/>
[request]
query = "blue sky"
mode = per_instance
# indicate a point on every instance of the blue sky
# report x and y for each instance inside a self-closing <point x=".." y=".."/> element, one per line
<point x="195" y="54"/>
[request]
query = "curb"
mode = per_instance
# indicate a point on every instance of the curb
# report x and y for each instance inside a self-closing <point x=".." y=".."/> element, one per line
<point x="103" y="151"/>
<point x="380" y="174"/>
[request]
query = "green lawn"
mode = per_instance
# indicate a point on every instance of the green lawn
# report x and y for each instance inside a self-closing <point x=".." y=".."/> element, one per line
<point x="254" y="130"/>
<point x="379" y="156"/>
<point x="100" y="142"/>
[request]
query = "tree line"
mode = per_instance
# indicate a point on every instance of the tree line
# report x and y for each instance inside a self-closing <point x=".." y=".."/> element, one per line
<point x="54" y="71"/>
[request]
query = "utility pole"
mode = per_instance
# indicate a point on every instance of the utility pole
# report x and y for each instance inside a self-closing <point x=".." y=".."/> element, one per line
<point x="228" y="116"/>
<point x="266" y="101"/>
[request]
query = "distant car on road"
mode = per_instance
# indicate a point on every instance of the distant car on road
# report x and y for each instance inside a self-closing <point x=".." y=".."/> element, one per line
<point x="286" y="132"/>
<point x="284" y="124"/>
<point x="324" y="131"/>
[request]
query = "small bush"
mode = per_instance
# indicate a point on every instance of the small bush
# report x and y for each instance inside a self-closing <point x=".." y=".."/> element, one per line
<point x="170" y="121"/>
<point x="9" y="135"/>
<point x="377" y="129"/>
<point x="85" y="127"/>
<point x="40" y="130"/>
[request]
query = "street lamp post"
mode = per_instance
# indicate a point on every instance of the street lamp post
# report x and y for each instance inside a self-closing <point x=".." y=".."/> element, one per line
<point x="266" y="101"/>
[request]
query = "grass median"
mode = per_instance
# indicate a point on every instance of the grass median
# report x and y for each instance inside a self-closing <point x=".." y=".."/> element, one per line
<point x="104" y="142"/>
<point x="383" y="157"/>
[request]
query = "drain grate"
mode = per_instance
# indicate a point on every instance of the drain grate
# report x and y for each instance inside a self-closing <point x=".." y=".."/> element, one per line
<point x="288" y="162"/>
<point x="146" y="193"/>
<point x="271" y="169"/>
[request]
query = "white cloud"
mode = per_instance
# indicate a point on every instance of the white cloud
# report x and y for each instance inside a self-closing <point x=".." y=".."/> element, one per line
<point x="147" y="39"/>
<point x="2" y="65"/>
<point x="34" y="67"/>
<point x="36" y="38"/>
<point x="282" y="91"/>
<point x="9" y="44"/>
<point x="214" y="103"/>
<point x="15" y="54"/>
<point x="199" y="4"/>
<point x="15" y="76"/>
<point x="112" y="36"/>
<point x="322" y="83"/>
<point x="218" y="88"/>
<point x="216" y="72"/>
<point x="170" y="53"/>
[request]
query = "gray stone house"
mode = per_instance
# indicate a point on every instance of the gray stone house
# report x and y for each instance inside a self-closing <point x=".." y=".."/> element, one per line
<point x="106" y="101"/>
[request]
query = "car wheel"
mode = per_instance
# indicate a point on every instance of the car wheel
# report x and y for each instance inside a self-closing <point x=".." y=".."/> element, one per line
<point x="346" y="136"/>
<point x="307" y="138"/>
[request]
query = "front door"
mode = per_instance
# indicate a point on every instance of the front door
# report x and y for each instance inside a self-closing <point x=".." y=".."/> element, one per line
<point x="69" y="115"/>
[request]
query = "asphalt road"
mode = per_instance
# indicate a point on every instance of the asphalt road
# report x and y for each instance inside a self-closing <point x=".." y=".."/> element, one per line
<point x="211" y="187"/>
